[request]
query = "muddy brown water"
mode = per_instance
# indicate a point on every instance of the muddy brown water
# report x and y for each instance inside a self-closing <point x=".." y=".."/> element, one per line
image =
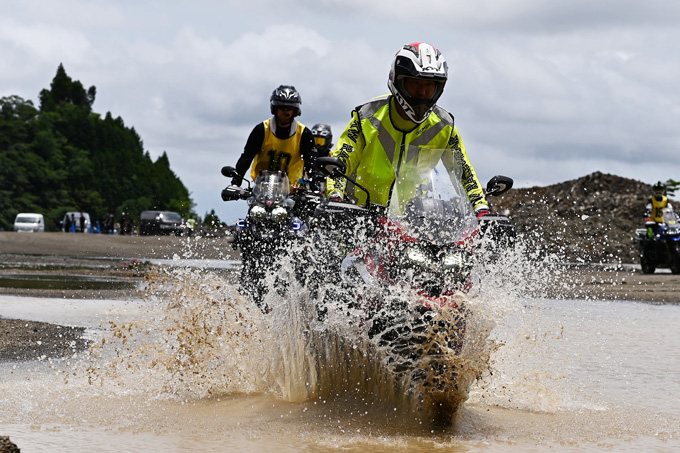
<point x="191" y="366"/>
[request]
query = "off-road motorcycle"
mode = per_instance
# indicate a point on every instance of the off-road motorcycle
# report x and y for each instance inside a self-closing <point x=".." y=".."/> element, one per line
<point x="408" y="274"/>
<point x="275" y="221"/>
<point x="660" y="243"/>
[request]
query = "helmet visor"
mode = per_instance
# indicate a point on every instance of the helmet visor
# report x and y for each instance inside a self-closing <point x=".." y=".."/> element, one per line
<point x="421" y="88"/>
<point x="420" y="94"/>
<point x="320" y="141"/>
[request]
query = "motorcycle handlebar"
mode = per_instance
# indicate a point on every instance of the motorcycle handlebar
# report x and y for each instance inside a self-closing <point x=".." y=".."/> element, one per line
<point x="235" y="193"/>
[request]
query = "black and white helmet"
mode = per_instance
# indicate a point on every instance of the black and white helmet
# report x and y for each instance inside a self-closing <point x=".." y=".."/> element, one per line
<point x="322" y="137"/>
<point x="286" y="96"/>
<point x="419" y="60"/>
<point x="659" y="188"/>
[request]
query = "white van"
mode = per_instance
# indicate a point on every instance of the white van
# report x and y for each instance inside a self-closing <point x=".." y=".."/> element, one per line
<point x="72" y="222"/>
<point x="29" y="222"/>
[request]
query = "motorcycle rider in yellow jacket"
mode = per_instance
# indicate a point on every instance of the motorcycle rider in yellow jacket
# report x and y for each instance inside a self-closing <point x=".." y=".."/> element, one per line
<point x="392" y="133"/>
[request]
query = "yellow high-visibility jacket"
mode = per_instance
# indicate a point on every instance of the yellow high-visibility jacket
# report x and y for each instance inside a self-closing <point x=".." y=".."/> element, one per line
<point x="375" y="152"/>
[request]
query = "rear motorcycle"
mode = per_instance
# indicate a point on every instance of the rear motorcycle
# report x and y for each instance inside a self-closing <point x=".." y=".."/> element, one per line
<point x="274" y="223"/>
<point x="660" y="244"/>
<point x="406" y="281"/>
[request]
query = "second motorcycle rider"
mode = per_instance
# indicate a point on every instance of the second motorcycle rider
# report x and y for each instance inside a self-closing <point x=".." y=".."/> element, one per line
<point x="280" y="143"/>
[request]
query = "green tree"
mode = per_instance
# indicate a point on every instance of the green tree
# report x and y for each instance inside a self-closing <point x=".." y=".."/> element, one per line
<point x="211" y="219"/>
<point x="63" y="156"/>
<point x="63" y="90"/>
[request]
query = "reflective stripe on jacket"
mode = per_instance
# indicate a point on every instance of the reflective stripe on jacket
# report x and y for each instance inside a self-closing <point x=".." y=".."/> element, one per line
<point x="374" y="152"/>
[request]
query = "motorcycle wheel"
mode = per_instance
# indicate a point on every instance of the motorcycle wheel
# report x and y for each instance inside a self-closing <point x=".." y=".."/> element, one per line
<point x="409" y="338"/>
<point x="251" y="286"/>
<point x="647" y="265"/>
<point x="675" y="259"/>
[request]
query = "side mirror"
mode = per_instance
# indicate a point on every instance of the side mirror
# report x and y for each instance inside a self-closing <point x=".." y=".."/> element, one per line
<point x="229" y="171"/>
<point x="498" y="185"/>
<point x="330" y="166"/>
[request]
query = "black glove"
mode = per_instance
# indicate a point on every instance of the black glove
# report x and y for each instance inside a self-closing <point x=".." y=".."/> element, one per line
<point x="335" y="195"/>
<point x="236" y="181"/>
<point x="230" y="195"/>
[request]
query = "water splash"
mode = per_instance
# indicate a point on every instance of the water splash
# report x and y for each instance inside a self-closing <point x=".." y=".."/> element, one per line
<point x="205" y="339"/>
<point x="324" y="347"/>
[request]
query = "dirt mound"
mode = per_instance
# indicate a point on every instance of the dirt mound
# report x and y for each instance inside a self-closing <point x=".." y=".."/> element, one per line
<point x="591" y="219"/>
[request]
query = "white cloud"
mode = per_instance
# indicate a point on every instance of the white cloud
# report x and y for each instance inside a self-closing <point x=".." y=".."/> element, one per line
<point x="543" y="91"/>
<point x="44" y="41"/>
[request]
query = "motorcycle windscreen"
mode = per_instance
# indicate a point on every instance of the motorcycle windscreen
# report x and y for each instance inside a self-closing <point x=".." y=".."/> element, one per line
<point x="670" y="218"/>
<point x="271" y="186"/>
<point x="428" y="197"/>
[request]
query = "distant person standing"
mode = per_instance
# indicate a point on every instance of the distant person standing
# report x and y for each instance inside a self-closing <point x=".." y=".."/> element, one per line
<point x="110" y="224"/>
<point x="124" y="222"/>
<point x="67" y="224"/>
<point x="82" y="222"/>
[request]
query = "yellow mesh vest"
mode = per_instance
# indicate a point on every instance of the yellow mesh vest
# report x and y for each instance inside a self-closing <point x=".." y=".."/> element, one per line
<point x="280" y="154"/>
<point x="657" y="208"/>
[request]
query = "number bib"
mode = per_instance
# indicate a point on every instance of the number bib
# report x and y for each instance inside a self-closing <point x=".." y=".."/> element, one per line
<point x="280" y="154"/>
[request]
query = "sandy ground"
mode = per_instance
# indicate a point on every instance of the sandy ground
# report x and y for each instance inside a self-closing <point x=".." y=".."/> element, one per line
<point x="105" y="267"/>
<point x="595" y="282"/>
<point x="112" y="246"/>
<point x="123" y="261"/>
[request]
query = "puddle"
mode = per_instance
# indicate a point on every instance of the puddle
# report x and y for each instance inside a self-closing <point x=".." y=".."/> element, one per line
<point x="198" y="263"/>
<point x="65" y="282"/>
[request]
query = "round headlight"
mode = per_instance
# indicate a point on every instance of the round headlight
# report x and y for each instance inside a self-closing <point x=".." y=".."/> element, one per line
<point x="257" y="213"/>
<point x="453" y="260"/>
<point x="279" y="214"/>
<point x="417" y="256"/>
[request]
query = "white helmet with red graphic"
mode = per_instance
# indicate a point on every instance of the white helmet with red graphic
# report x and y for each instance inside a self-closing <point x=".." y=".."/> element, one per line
<point x="421" y="61"/>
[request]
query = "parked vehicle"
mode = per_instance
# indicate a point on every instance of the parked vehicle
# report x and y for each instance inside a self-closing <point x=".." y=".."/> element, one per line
<point x="76" y="221"/>
<point x="29" y="222"/>
<point x="161" y="222"/>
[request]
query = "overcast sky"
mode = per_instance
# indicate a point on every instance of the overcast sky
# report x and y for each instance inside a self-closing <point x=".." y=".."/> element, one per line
<point x="541" y="91"/>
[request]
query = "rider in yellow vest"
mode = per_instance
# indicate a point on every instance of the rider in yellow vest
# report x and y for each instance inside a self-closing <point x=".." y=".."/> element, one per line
<point x="656" y="203"/>
<point x="390" y="133"/>
<point x="280" y="143"/>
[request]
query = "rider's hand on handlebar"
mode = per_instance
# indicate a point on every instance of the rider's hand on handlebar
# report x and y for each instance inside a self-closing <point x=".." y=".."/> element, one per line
<point x="236" y="181"/>
<point x="229" y="194"/>
<point x="335" y="195"/>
